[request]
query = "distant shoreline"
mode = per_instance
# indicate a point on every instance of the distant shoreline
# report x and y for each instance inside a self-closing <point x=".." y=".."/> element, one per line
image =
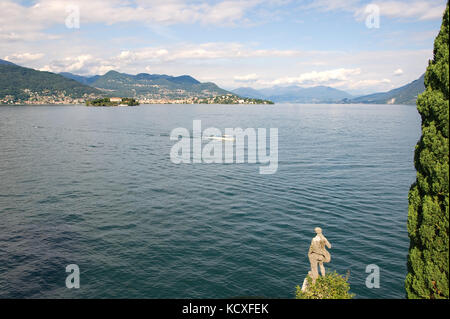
<point x="107" y="106"/>
<point x="244" y="105"/>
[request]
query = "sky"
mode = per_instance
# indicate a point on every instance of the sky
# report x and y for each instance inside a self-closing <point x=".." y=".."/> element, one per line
<point x="354" y="45"/>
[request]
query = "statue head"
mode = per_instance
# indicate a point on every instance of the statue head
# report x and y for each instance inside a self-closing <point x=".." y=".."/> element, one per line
<point x="318" y="230"/>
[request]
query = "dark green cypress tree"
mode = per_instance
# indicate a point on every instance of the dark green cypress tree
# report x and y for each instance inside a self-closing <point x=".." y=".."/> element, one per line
<point x="428" y="220"/>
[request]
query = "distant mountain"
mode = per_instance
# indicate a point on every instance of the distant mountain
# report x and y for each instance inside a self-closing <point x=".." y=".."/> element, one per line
<point x="406" y="94"/>
<point x="23" y="84"/>
<point x="249" y="92"/>
<point x="318" y="94"/>
<point x="296" y="94"/>
<point x="149" y="86"/>
<point x="87" y="80"/>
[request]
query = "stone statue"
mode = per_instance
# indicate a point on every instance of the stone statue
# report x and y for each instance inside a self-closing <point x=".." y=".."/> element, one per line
<point x="317" y="254"/>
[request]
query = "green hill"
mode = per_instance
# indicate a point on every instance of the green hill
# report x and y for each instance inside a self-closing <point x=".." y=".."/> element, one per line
<point x="22" y="84"/>
<point x="406" y="94"/>
<point x="150" y="86"/>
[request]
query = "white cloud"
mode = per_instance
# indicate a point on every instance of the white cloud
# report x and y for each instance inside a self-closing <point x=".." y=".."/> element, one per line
<point x="246" y="78"/>
<point x="201" y="52"/>
<point x="421" y="10"/>
<point x="21" y="22"/>
<point x="317" y="78"/>
<point x="412" y="9"/>
<point x="398" y="72"/>
<point x="85" y="64"/>
<point x="364" y="84"/>
<point x="331" y="5"/>
<point x="139" y="59"/>
<point x="23" y="57"/>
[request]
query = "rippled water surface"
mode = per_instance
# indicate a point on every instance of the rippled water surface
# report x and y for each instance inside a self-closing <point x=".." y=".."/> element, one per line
<point x="95" y="187"/>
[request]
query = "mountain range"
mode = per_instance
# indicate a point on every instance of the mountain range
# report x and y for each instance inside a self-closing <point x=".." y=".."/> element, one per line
<point x="19" y="84"/>
<point x="149" y="86"/>
<point x="406" y="94"/>
<point x="24" y="85"/>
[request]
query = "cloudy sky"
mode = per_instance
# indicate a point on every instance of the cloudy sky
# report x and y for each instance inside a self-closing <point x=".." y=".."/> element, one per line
<point x="355" y="45"/>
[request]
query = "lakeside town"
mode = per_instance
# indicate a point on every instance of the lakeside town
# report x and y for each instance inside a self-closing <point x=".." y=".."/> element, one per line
<point x="60" y="98"/>
<point x="35" y="98"/>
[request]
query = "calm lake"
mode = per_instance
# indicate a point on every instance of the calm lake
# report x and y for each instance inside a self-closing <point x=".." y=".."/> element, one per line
<point x="96" y="187"/>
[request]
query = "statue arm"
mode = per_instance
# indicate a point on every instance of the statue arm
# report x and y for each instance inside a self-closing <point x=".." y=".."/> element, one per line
<point x="327" y="243"/>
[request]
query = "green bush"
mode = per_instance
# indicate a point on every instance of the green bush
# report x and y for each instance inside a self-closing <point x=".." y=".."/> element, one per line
<point x="332" y="286"/>
<point x="428" y="220"/>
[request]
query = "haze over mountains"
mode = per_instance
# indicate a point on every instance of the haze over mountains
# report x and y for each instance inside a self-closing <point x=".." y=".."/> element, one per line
<point x="296" y="94"/>
<point x="406" y="94"/>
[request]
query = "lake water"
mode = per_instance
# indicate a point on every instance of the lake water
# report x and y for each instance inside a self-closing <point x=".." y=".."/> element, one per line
<point x="95" y="187"/>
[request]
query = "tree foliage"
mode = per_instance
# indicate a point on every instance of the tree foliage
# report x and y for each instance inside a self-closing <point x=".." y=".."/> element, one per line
<point x="332" y="286"/>
<point x="107" y="102"/>
<point x="428" y="217"/>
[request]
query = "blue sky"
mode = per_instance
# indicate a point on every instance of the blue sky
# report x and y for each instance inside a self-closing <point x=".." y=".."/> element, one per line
<point x="257" y="43"/>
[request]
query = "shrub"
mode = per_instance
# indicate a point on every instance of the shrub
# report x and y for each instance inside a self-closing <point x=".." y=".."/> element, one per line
<point x="332" y="286"/>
